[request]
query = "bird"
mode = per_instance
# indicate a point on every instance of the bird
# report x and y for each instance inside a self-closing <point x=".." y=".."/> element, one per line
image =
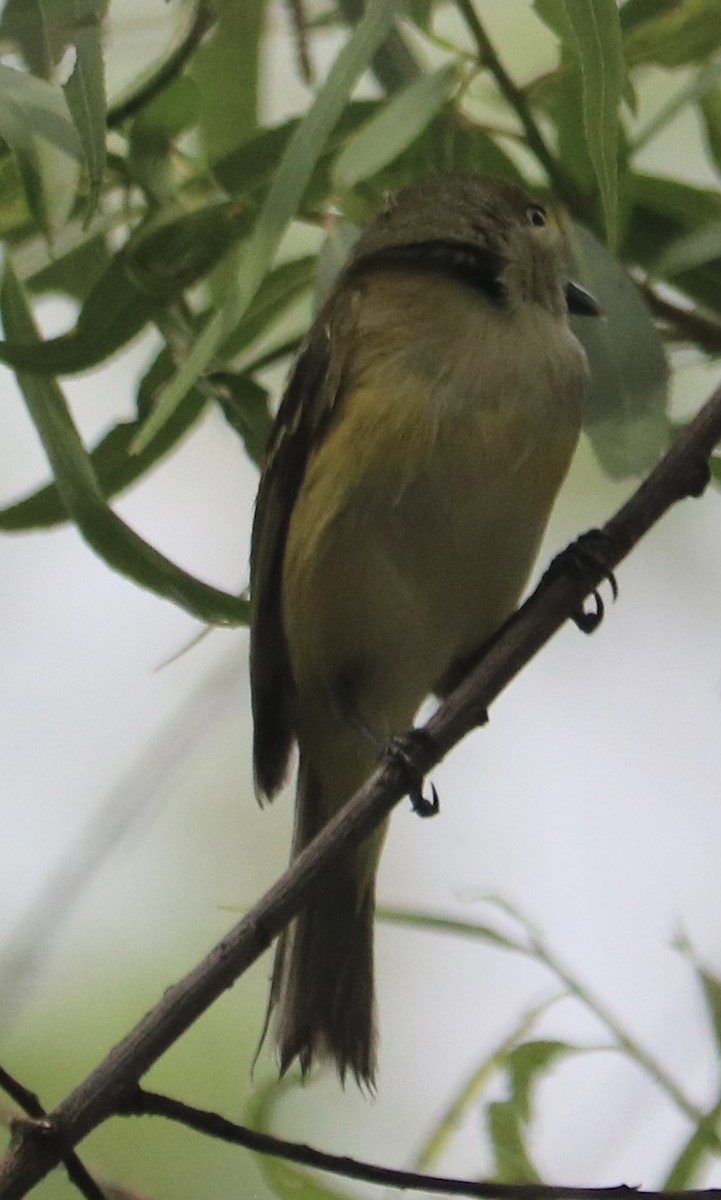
<point x="426" y="428"/>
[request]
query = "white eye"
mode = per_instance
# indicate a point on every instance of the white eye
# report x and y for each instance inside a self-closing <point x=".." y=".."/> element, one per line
<point x="536" y="214"/>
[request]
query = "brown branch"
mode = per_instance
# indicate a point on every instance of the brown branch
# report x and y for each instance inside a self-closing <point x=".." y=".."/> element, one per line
<point x="30" y="1104"/>
<point x="35" y="1150"/>
<point x="213" y="1125"/>
<point x="686" y="322"/>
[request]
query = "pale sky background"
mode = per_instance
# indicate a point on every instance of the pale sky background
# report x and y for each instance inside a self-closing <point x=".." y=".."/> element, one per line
<point x="591" y="800"/>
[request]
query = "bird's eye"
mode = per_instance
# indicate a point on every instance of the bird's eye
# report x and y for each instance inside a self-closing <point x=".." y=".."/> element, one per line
<point x="536" y="214"/>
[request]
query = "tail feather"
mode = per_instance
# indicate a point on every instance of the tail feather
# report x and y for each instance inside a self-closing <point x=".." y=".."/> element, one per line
<point x="323" y="982"/>
<point x="322" y="992"/>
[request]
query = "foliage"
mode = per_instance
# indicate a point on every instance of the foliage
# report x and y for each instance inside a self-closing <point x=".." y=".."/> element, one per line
<point x="166" y="209"/>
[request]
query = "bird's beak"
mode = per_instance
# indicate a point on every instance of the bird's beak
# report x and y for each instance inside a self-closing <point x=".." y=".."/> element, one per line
<point x="580" y="301"/>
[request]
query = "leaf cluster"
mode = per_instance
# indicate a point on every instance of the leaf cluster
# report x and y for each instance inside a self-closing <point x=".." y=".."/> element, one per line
<point x="167" y="208"/>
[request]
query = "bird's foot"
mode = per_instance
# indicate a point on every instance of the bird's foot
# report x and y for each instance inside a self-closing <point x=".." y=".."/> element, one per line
<point x="412" y="752"/>
<point x="586" y="556"/>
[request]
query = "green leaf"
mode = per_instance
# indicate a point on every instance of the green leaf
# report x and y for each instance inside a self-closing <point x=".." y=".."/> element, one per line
<point x="689" y="1163"/>
<point x="171" y="254"/>
<point x="85" y="92"/>
<point x="115" y="310"/>
<point x="282" y="288"/>
<point x="508" y="1120"/>
<point x="702" y="1142"/>
<point x="447" y="1124"/>
<point x="511" y="1157"/>
<point x="289" y="184"/>
<point x="553" y="14"/>
<point x="664" y="210"/>
<point x="671" y="34"/>
<point x="598" y="48"/>
<point x="120" y="547"/>
<point x="626" y="416"/>
<point x="14" y="210"/>
<point x="691" y="250"/>
<point x="35" y="123"/>
<point x="74" y="271"/>
<point x="245" y="406"/>
<point x="249" y="169"/>
<point x="386" y="134"/>
<point x="710" y="105"/>
<point x="162" y="260"/>
<point x="470" y="929"/>
<point x="226" y="68"/>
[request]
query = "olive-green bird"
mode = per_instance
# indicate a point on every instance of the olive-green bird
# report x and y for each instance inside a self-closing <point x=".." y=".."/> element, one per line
<point x="426" y="429"/>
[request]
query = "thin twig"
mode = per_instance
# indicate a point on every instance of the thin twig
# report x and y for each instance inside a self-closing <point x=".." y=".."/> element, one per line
<point x="30" y="1104"/>
<point x="351" y="1168"/>
<point x="682" y="472"/>
<point x="516" y="98"/>
<point x="300" y="39"/>
<point x="690" y="324"/>
<point x="538" y="950"/>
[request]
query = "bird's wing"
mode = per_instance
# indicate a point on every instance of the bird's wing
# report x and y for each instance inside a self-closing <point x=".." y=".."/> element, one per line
<point x="313" y="390"/>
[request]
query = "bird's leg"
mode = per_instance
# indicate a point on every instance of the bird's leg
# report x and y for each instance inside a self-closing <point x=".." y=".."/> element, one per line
<point x="409" y="752"/>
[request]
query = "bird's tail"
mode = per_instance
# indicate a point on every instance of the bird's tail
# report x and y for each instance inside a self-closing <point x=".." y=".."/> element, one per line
<point x="322" y="993"/>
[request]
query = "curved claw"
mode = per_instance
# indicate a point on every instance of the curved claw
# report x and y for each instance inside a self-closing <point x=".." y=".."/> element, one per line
<point x="422" y="806"/>
<point x="586" y="620"/>
<point x="409" y="751"/>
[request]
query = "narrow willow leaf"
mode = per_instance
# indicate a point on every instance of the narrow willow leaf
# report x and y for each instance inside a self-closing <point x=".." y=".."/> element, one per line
<point x="249" y="169"/>
<point x="626" y="417"/>
<point x="553" y="14"/>
<point x="599" y="50"/>
<point x="245" y="406"/>
<point x="115" y="310"/>
<point x="710" y="105"/>
<point x="139" y="281"/>
<point x="393" y="127"/>
<point x="470" y="929"/>
<point x="512" y="1159"/>
<point x="281" y="289"/>
<point x="709" y="983"/>
<point x="289" y="183"/>
<point x="671" y="34"/>
<point x="35" y="123"/>
<point x="85" y="94"/>
<point x="226" y="67"/>
<point x="527" y="1063"/>
<point x="695" y="1154"/>
<point x="692" y="250"/>
<point x="665" y="210"/>
<point x="73" y="271"/>
<point x="508" y="1120"/>
<point x="702" y="1143"/>
<point x="447" y="1124"/>
<point x="109" y="536"/>
<point x="14" y="210"/>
